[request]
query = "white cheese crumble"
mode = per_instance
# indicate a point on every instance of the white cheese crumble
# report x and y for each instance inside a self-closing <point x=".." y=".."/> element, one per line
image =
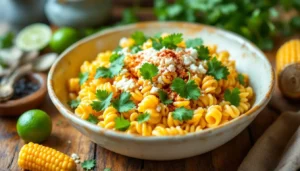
<point x="123" y="40"/>
<point x="154" y="90"/>
<point x="187" y="60"/>
<point x="160" y="81"/>
<point x="124" y="84"/>
<point x="171" y="68"/>
<point x="123" y="71"/>
<point x="75" y="156"/>
<point x="193" y="52"/>
<point x="201" y="69"/>
<point x="158" y="108"/>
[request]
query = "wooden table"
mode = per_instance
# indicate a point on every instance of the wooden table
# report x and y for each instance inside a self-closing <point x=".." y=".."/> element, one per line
<point x="68" y="140"/>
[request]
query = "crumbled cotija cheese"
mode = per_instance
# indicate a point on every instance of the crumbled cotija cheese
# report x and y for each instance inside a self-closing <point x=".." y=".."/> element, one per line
<point x="171" y="68"/>
<point x="124" y="84"/>
<point x="193" y="52"/>
<point x="187" y="59"/>
<point x="158" y="108"/>
<point x="154" y="90"/>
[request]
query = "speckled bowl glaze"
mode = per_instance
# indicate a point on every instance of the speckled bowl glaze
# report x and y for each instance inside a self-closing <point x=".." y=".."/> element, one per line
<point x="249" y="59"/>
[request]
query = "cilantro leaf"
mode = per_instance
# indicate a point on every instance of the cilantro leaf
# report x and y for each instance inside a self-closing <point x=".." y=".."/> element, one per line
<point x="135" y="49"/>
<point x="114" y="69"/>
<point x="183" y="114"/>
<point x="107" y="169"/>
<point x="203" y="52"/>
<point x="187" y="90"/>
<point x="123" y="103"/>
<point x="233" y="96"/>
<point x="93" y="119"/>
<point x="194" y="42"/>
<point x="104" y="98"/>
<point x="163" y="96"/>
<point x="139" y="38"/>
<point x="74" y="103"/>
<point x="169" y="41"/>
<point x="143" y="117"/>
<point x="241" y="79"/>
<point x="114" y="57"/>
<point x="88" y="164"/>
<point x="2" y="63"/>
<point x="83" y="77"/>
<point x="121" y="124"/>
<point x="6" y="40"/>
<point x="172" y="40"/>
<point x="156" y="43"/>
<point x="148" y="71"/>
<point x="217" y="70"/>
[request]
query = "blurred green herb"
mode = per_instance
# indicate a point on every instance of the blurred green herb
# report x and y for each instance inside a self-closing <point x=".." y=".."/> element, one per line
<point x="6" y="40"/>
<point x="255" y="20"/>
<point x="3" y="63"/>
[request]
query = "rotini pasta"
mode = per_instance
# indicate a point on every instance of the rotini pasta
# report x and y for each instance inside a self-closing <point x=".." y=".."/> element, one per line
<point x="149" y="87"/>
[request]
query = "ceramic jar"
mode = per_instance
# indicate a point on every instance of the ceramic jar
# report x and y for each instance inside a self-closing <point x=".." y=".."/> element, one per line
<point x="78" y="13"/>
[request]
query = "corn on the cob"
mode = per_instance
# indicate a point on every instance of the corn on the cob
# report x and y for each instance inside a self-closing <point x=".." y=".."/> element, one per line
<point x="287" y="54"/>
<point x="36" y="157"/>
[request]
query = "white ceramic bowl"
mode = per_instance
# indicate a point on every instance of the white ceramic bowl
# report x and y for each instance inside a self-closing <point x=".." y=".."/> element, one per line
<point x="249" y="59"/>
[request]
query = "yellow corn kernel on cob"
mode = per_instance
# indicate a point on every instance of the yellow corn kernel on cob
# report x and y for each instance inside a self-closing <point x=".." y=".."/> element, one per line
<point x="287" y="54"/>
<point x="36" y="157"/>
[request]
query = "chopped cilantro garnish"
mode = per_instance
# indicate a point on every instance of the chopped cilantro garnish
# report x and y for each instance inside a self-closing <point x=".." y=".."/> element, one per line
<point x="123" y="103"/>
<point x="74" y="103"/>
<point x="135" y="49"/>
<point x="93" y="119"/>
<point x="203" y="52"/>
<point x="114" y="69"/>
<point x="103" y="101"/>
<point x="114" y="57"/>
<point x="187" y="90"/>
<point x="143" y="117"/>
<point x="217" y="70"/>
<point x="182" y="114"/>
<point x="163" y="96"/>
<point x="233" y="96"/>
<point x="121" y="124"/>
<point x="148" y="71"/>
<point x="139" y="38"/>
<point x="83" y="77"/>
<point x="2" y="63"/>
<point x="169" y="41"/>
<point x="241" y="79"/>
<point x="194" y="43"/>
<point x="88" y="164"/>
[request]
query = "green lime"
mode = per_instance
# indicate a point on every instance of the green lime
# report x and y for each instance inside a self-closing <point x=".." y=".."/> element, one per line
<point x="34" y="37"/>
<point x="63" y="38"/>
<point x="34" y="126"/>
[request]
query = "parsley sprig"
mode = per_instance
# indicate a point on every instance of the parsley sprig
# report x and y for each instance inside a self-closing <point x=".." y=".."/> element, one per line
<point x="241" y="79"/>
<point x="148" y="71"/>
<point x="217" y="70"/>
<point x="74" y="103"/>
<point x="169" y="41"/>
<point x="93" y="119"/>
<point x="121" y="124"/>
<point x="83" y="77"/>
<point x="117" y="62"/>
<point x="123" y="103"/>
<point x="163" y="96"/>
<point x="193" y="43"/>
<point x="182" y="114"/>
<point x="143" y="117"/>
<point x="233" y="96"/>
<point x="103" y="101"/>
<point x="187" y="90"/>
<point x="88" y="164"/>
<point x="203" y="52"/>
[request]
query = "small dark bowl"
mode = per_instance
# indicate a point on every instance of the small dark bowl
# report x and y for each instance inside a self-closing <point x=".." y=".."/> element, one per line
<point x="31" y="101"/>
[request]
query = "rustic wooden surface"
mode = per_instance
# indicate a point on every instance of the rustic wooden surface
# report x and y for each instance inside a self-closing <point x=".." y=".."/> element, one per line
<point x="66" y="139"/>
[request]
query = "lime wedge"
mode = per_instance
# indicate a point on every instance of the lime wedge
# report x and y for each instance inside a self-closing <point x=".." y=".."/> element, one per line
<point x="34" y="37"/>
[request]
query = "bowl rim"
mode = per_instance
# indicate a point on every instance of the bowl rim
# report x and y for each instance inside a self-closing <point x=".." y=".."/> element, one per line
<point x="124" y="136"/>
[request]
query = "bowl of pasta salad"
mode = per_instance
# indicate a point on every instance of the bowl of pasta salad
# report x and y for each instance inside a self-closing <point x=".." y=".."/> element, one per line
<point x="161" y="90"/>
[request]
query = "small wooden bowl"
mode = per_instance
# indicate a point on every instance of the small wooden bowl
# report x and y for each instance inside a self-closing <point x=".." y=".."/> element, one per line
<point x="19" y="106"/>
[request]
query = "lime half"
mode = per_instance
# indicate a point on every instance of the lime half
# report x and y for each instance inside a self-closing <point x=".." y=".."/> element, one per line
<point x="34" y="37"/>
